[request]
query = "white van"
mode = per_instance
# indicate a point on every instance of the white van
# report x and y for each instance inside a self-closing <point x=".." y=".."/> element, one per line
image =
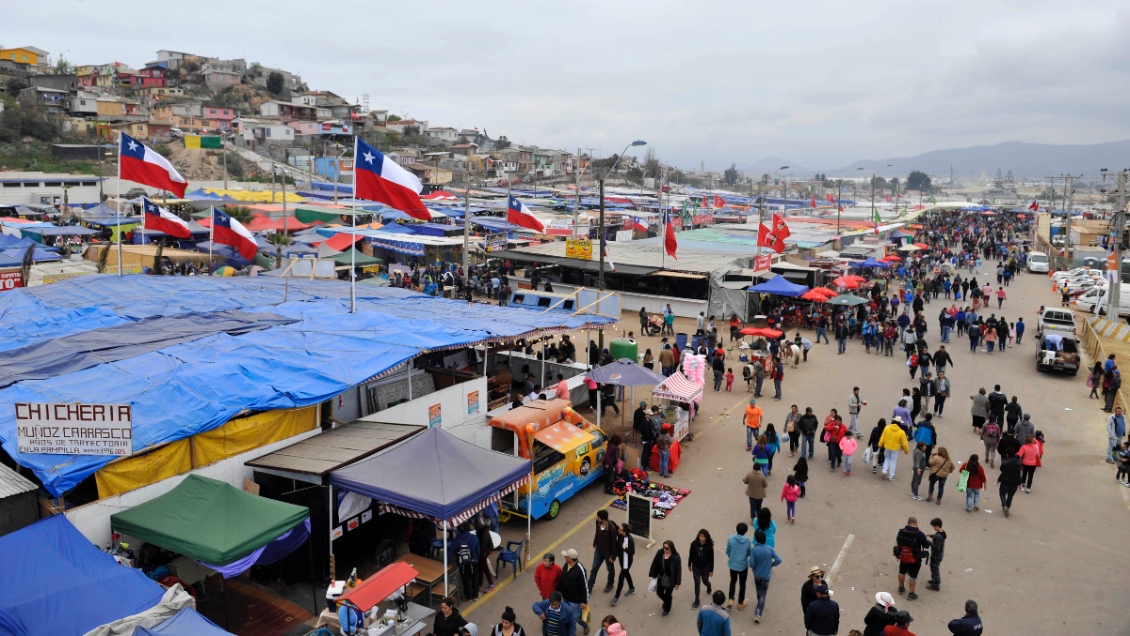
<point x="1095" y="300"/>
<point x="1038" y="263"/>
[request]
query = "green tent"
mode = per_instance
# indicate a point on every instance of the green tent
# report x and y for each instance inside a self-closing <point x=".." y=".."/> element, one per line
<point x="847" y="300"/>
<point x="309" y="213"/>
<point x="209" y="520"/>
<point x="363" y="260"/>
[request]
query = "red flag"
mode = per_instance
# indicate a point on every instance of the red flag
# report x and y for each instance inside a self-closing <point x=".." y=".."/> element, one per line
<point x="768" y="239"/>
<point x="888" y="198"/>
<point x="829" y="198"/>
<point x="669" y="242"/>
<point x="719" y="202"/>
<point x="779" y="227"/>
<point x="814" y="202"/>
<point x="1035" y="207"/>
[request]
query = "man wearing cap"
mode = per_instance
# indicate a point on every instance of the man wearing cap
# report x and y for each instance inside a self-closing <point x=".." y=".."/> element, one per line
<point x="574" y="585"/>
<point x="823" y="615"/>
<point x="902" y="622"/>
<point x="893" y="439"/>
<point x="649" y="434"/>
<point x="752" y="423"/>
<point x="807" y="594"/>
<point x="968" y="625"/>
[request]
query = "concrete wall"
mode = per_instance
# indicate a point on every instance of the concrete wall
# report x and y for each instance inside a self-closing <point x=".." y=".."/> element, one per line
<point x="93" y="519"/>
<point x="631" y="302"/>
<point x="454" y="415"/>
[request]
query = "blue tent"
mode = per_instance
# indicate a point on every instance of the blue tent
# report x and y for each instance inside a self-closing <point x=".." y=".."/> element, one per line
<point x="871" y="262"/>
<point x="780" y="287"/>
<point x="7" y="241"/>
<point x="187" y="622"/>
<point x="396" y="228"/>
<point x="433" y="473"/>
<point x="38" y="255"/>
<point x="57" y="582"/>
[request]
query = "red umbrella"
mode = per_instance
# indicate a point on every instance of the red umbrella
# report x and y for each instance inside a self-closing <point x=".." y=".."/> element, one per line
<point x="814" y="295"/>
<point x="762" y="331"/>
<point x="845" y="282"/>
<point x="857" y="278"/>
<point x="825" y="291"/>
<point x="920" y="246"/>
<point x="892" y="258"/>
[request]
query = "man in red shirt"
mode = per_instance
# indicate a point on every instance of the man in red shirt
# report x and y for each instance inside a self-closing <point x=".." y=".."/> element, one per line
<point x="904" y="620"/>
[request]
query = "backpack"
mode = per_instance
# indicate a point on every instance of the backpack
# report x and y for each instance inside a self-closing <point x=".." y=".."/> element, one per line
<point x="992" y="430"/>
<point x="463" y="555"/>
<point x="906" y="546"/>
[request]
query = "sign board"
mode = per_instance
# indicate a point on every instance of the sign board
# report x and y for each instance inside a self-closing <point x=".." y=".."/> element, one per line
<point x="435" y="415"/>
<point x="371" y="269"/>
<point x="50" y="279"/>
<point x="74" y="429"/>
<point x="472" y="402"/>
<point x="496" y="242"/>
<point x="397" y="267"/>
<point x="639" y="515"/>
<point x="762" y="262"/>
<point x="126" y="269"/>
<point x="703" y="219"/>
<point x="11" y="280"/>
<point x="578" y="248"/>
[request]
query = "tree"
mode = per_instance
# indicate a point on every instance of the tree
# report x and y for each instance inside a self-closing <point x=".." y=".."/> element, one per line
<point x="279" y="240"/>
<point x="235" y="166"/>
<point x="918" y="180"/>
<point x="15" y="85"/>
<point x="275" y="82"/>
<point x="239" y="213"/>
<point x="999" y="181"/>
<point x="255" y="70"/>
<point x="879" y="183"/>
<point x="730" y="176"/>
<point x="17" y="123"/>
<point x="1008" y="178"/>
<point x="63" y="67"/>
<point x="764" y="180"/>
<point x="393" y="118"/>
<point x="894" y="185"/>
<point x="652" y="168"/>
<point x="191" y="67"/>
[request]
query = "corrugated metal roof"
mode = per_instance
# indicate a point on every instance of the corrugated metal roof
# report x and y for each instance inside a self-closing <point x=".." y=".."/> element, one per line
<point x="12" y="484"/>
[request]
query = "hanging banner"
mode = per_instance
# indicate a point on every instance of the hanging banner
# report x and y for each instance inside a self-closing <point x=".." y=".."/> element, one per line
<point x="74" y="429"/>
<point x="762" y="262"/>
<point x="578" y="248"/>
<point x="496" y="242"/>
<point x="472" y="402"/>
<point x="11" y="280"/>
<point x="435" y="415"/>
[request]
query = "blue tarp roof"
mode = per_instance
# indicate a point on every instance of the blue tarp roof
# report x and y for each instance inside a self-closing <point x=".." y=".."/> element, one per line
<point x="57" y="582"/>
<point x="187" y="622"/>
<point x="38" y="255"/>
<point x="779" y="286"/>
<point x="396" y="228"/>
<point x="433" y="473"/>
<point x="197" y="386"/>
<point x="433" y="229"/>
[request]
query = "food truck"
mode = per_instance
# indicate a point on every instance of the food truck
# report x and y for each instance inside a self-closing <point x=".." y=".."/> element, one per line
<point x="566" y="449"/>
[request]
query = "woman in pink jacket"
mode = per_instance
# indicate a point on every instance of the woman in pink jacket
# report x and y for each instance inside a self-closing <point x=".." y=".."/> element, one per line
<point x="847" y="449"/>
<point x="1029" y="455"/>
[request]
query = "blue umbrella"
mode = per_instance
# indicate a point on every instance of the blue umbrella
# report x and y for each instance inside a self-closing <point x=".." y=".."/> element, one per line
<point x="625" y="372"/>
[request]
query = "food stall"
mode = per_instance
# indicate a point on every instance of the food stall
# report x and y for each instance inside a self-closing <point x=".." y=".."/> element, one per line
<point x="681" y="395"/>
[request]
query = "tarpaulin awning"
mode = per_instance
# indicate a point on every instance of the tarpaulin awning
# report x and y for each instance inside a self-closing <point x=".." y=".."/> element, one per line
<point x="778" y="286"/>
<point x="396" y="228"/>
<point x="209" y="520"/>
<point x="341" y="241"/>
<point x="356" y="258"/>
<point x="847" y="300"/>
<point x="328" y="214"/>
<point x="280" y="548"/>
<point x="434" y="474"/>
<point x="871" y="262"/>
<point x="380" y="586"/>
<point x="62" y="230"/>
<point x="187" y="622"/>
<point x="56" y="581"/>
<point x="37" y="254"/>
<point x="677" y="387"/>
<point x="563" y="437"/>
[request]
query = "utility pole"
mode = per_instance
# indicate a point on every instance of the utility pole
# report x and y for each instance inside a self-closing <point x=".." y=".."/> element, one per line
<point x="577" y="181"/>
<point x="467" y="227"/>
<point x="224" y="152"/>
<point x="1068" y="192"/>
<point x="1119" y="224"/>
<point x="840" y="208"/>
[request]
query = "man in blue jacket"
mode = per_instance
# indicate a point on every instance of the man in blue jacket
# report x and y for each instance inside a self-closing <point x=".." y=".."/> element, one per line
<point x="762" y="560"/>
<point x="713" y="620"/>
<point x="737" y="553"/>
<point x="558" y="618"/>
<point x="968" y="625"/>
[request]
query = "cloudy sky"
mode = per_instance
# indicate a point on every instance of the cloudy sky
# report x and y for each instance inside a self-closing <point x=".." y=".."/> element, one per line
<point x="819" y="83"/>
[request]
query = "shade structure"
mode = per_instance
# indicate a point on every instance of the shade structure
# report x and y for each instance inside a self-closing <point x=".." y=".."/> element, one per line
<point x="845" y="282"/>
<point x="625" y="372"/>
<point x="847" y="300"/>
<point x="56" y="581"/>
<point x="209" y="520"/>
<point x="187" y="622"/>
<point x="857" y="278"/>
<point x="909" y="248"/>
<point x="920" y="246"/>
<point x="435" y="474"/>
<point x="380" y="586"/>
<point x="892" y="258"/>
<point x="761" y="331"/>
<point x="871" y="263"/>
<point x="825" y="291"/>
<point x="677" y="387"/>
<point x="814" y="296"/>
<point x="342" y="240"/>
<point x="780" y="287"/>
<point x="354" y="257"/>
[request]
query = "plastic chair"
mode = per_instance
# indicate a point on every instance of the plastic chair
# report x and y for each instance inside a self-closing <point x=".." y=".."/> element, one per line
<point x="513" y="557"/>
<point x="437" y="549"/>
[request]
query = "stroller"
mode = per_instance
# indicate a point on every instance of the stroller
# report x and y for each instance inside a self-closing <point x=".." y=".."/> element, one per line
<point x="654" y="325"/>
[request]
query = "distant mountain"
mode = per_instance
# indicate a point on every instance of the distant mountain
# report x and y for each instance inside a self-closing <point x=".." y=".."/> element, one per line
<point x="1023" y="159"/>
<point x="769" y="165"/>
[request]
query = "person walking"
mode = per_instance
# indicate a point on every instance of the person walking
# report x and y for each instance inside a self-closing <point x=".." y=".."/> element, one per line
<point x="842" y="333"/>
<point x="940" y="468"/>
<point x="625" y="556"/>
<point x="927" y="432"/>
<point x="855" y="403"/>
<point x="980" y="409"/>
<point x="822" y="618"/>
<point x="834" y="431"/>
<point x="1112" y="383"/>
<point x="800" y="471"/>
<point x="937" y="553"/>
<point x="789" y="494"/>
<point x="719" y="367"/>
<point x="991" y="436"/>
<point x="604" y="550"/>
<point x="881" y="614"/>
<point x="920" y="463"/>
<point x="546" y="575"/>
<point x="891" y="441"/>
<point x="969" y="624"/>
<point x="713" y="619"/>
<point x="909" y="545"/>
<point x="791" y="431"/>
<point x="941" y="392"/>
<point x="778" y="377"/>
<point x="1024" y="428"/>
<point x="448" y="620"/>
<point x="756" y="483"/>
<point x="1095" y="380"/>
<point x="752" y="421"/>
<point x="574" y="587"/>
<point x="975" y="484"/>
<point x="1115" y="431"/>
<point x="558" y="616"/>
<point x="667" y="569"/>
<point x="700" y="562"/>
<point x="737" y="559"/>
<point x="807" y="590"/>
<point x="807" y="424"/>
<point x="847" y="452"/>
<point x="1009" y="480"/>
<point x="508" y="626"/>
<point x="762" y="560"/>
<point x="926" y="389"/>
<point x="1029" y="455"/>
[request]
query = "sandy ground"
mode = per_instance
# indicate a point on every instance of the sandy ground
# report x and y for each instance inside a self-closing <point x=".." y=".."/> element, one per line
<point x="1052" y="568"/>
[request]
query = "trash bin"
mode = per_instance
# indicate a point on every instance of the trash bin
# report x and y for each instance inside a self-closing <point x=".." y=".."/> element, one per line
<point x="623" y="348"/>
<point x="680" y="341"/>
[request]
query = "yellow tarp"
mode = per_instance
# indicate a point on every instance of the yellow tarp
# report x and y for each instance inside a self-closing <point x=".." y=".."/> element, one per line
<point x="248" y="433"/>
<point x="132" y="473"/>
<point x="260" y="196"/>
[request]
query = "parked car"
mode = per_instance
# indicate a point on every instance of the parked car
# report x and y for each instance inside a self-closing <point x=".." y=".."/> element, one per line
<point x="1038" y="263"/>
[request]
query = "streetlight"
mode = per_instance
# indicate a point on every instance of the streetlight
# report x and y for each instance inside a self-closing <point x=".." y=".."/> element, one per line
<point x="761" y="208"/>
<point x="600" y="280"/>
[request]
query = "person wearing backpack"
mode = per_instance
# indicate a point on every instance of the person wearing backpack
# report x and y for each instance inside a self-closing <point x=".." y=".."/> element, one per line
<point x="910" y="544"/>
<point x="464" y="553"/>
<point x="991" y="436"/>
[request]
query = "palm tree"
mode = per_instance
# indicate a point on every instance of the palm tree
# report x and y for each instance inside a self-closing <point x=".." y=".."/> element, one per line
<point x="279" y="240"/>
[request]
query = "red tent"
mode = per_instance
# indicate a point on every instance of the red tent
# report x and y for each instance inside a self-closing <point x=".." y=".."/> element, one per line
<point x="761" y="331"/>
<point x="440" y="195"/>
<point x="341" y="241"/>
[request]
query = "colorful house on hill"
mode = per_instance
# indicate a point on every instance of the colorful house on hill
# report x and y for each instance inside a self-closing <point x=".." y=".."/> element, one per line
<point x="24" y="55"/>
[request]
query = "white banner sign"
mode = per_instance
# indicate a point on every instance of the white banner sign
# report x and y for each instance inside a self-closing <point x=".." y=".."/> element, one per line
<point x="74" y="429"/>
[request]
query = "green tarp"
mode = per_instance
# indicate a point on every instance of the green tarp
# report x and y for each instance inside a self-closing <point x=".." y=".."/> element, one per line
<point x="209" y="520"/>
<point x="363" y="260"/>
<point x="309" y="213"/>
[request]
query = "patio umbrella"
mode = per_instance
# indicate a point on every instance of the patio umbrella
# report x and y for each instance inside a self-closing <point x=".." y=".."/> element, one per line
<point x="856" y="277"/>
<point x="623" y="372"/>
<point x="920" y="246"/>
<point x="909" y="248"/>
<point x="825" y="291"/>
<point x="845" y="282"/>
<point x="815" y="296"/>
<point x="847" y="300"/>
<point x="892" y="259"/>
<point x="762" y="331"/>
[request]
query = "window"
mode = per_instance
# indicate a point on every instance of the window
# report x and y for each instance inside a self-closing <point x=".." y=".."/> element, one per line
<point x="53" y="184"/>
<point x="31" y="184"/>
<point x="11" y="184"/>
<point x="89" y="183"/>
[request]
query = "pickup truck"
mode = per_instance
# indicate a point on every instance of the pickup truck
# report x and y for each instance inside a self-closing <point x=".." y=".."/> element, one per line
<point x="1057" y="351"/>
<point x="1056" y="321"/>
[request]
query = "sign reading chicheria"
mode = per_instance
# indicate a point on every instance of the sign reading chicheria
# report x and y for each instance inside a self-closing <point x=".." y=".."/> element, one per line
<point x="74" y="429"/>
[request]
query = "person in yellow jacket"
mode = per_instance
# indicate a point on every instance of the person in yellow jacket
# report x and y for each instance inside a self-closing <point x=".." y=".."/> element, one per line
<point x="892" y="439"/>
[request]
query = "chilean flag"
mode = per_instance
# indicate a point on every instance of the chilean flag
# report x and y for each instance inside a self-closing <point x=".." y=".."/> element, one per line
<point x="143" y="165"/>
<point x="635" y="223"/>
<point x="518" y="214"/>
<point x="159" y="219"/>
<point x="228" y="231"/>
<point x="378" y="178"/>
<point x="669" y="242"/>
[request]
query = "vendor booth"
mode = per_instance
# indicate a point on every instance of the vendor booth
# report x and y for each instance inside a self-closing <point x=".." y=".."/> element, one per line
<point x="681" y="395"/>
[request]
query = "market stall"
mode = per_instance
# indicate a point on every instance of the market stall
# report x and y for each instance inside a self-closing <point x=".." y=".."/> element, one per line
<point x="678" y="391"/>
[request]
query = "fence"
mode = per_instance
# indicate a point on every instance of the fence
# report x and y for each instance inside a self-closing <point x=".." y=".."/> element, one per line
<point x="1092" y="342"/>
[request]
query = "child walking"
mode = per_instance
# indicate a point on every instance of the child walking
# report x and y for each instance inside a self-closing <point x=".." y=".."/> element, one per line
<point x="937" y="552"/>
<point x="730" y="379"/>
<point x="847" y="449"/>
<point x="789" y="495"/>
<point x="1011" y="333"/>
<point x="1122" y="457"/>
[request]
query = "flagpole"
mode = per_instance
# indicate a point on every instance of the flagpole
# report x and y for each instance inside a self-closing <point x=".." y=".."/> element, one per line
<point x="353" y="251"/>
<point x="211" y="235"/>
<point x="118" y="216"/>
